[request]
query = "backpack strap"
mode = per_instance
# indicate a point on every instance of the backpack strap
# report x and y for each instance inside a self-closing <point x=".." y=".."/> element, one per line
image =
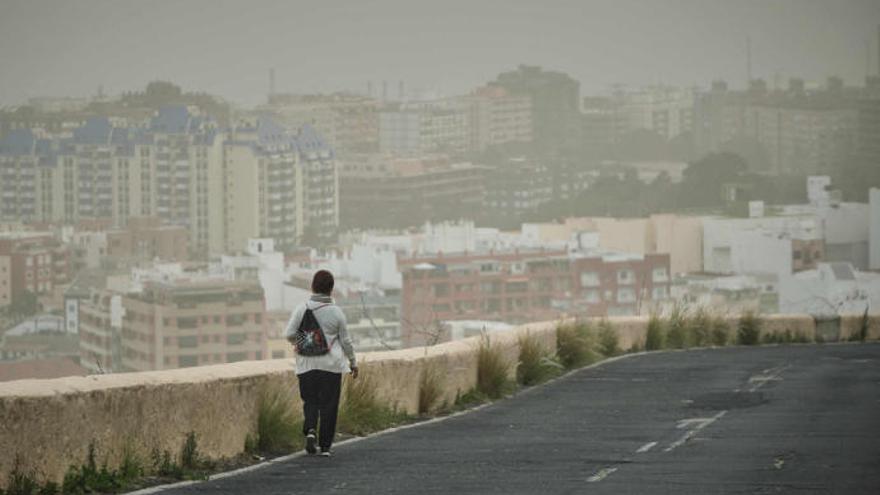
<point x="315" y="310"/>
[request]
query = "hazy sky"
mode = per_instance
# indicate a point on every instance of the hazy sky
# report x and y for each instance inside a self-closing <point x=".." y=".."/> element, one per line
<point x="61" y="48"/>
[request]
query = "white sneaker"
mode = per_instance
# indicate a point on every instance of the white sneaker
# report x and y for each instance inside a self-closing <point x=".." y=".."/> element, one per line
<point x="311" y="440"/>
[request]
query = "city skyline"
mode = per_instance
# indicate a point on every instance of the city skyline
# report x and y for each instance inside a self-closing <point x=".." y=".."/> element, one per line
<point x="228" y="50"/>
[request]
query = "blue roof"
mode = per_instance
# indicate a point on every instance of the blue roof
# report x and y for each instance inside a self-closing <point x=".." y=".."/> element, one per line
<point x="18" y="142"/>
<point x="96" y="130"/>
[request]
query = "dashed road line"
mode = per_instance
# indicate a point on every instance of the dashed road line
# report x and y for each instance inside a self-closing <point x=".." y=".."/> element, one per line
<point x="646" y="447"/>
<point x="770" y="374"/>
<point x="601" y="475"/>
<point x="687" y="436"/>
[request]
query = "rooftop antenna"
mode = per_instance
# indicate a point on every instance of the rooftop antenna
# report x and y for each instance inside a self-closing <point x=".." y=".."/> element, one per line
<point x="271" y="82"/>
<point x="384" y="90"/>
<point x="400" y="92"/>
<point x="370" y="89"/>
<point x="748" y="61"/>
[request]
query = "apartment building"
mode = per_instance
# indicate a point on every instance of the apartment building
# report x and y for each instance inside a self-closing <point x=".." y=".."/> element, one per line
<point x="496" y="117"/>
<point x="99" y="324"/>
<point x="555" y="100"/>
<point x="27" y="178"/>
<point x="389" y="192"/>
<point x="179" y="167"/>
<point x="33" y="262"/>
<point x="179" y="323"/>
<point x="349" y="123"/>
<point x="520" y="286"/>
<point x="799" y="131"/>
<point x="417" y="128"/>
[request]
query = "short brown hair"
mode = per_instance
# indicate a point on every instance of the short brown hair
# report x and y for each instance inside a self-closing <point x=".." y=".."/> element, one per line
<point x="322" y="283"/>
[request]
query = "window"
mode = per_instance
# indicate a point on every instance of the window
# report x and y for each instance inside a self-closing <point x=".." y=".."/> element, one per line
<point x="625" y="276"/>
<point x="188" y="322"/>
<point x="187" y="361"/>
<point x="233" y="357"/>
<point x="592" y="296"/>
<point x="589" y="279"/>
<point x="660" y="274"/>
<point x="235" y="338"/>
<point x="188" y="341"/>
<point x="277" y="354"/>
<point x="659" y="293"/>
<point x="626" y="295"/>
<point x="234" y="320"/>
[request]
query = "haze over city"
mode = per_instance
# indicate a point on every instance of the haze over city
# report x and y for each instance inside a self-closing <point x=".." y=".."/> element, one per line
<point x="239" y="239"/>
<point x="71" y="48"/>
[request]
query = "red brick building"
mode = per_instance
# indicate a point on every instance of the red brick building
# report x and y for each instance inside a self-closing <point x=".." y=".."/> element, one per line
<point x="524" y="286"/>
<point x="31" y="261"/>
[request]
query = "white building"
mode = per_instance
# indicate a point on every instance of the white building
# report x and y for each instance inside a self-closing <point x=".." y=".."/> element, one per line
<point x="768" y="245"/>
<point x="874" y="222"/>
<point x="832" y="288"/>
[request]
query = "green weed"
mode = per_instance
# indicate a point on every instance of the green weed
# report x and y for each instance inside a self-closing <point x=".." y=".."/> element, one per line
<point x="655" y="335"/>
<point x="575" y="344"/>
<point x="279" y="426"/>
<point x="430" y="388"/>
<point x="536" y="365"/>
<point x="748" y="330"/>
<point x="492" y="369"/>
<point x="609" y="345"/>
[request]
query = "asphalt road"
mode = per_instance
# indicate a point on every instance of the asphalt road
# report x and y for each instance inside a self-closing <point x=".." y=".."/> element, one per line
<point x="788" y="419"/>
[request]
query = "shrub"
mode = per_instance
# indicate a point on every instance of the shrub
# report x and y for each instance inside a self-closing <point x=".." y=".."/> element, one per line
<point x="430" y="388"/>
<point x="492" y="369"/>
<point x="608" y="341"/>
<point x="163" y="465"/>
<point x="748" y="330"/>
<point x="535" y="363"/>
<point x="861" y="334"/>
<point x="574" y="345"/>
<point x="21" y="482"/>
<point x="677" y="328"/>
<point x="700" y="326"/>
<point x="89" y="478"/>
<point x="720" y="331"/>
<point x="361" y="412"/>
<point x="278" y="423"/>
<point x="655" y="334"/>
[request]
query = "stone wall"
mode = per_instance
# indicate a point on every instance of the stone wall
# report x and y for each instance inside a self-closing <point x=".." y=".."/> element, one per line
<point x="49" y="424"/>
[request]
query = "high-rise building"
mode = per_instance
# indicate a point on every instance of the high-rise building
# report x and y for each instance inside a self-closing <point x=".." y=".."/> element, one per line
<point x="497" y="117"/>
<point x="799" y="131"/>
<point x="417" y="128"/>
<point x="387" y="192"/>
<point x="555" y="98"/>
<point x="348" y="123"/>
<point x="253" y="180"/>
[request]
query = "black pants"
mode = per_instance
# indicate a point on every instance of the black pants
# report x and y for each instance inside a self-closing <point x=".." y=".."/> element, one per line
<point x="319" y="391"/>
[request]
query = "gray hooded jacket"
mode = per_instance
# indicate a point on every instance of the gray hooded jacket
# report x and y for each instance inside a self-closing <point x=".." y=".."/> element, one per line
<point x="341" y="357"/>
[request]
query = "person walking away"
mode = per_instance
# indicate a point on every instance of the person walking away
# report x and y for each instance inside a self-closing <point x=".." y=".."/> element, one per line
<point x="317" y="328"/>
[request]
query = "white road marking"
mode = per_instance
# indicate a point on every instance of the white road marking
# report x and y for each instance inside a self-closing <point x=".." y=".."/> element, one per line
<point x="646" y="447"/>
<point x="690" y="422"/>
<point x="769" y="375"/>
<point x="601" y="475"/>
<point x="699" y="426"/>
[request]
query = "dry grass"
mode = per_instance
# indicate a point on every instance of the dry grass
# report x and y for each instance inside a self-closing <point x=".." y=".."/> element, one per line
<point x="492" y="369"/>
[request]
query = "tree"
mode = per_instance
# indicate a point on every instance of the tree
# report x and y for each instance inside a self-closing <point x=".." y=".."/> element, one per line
<point x="24" y="305"/>
<point x="703" y="180"/>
